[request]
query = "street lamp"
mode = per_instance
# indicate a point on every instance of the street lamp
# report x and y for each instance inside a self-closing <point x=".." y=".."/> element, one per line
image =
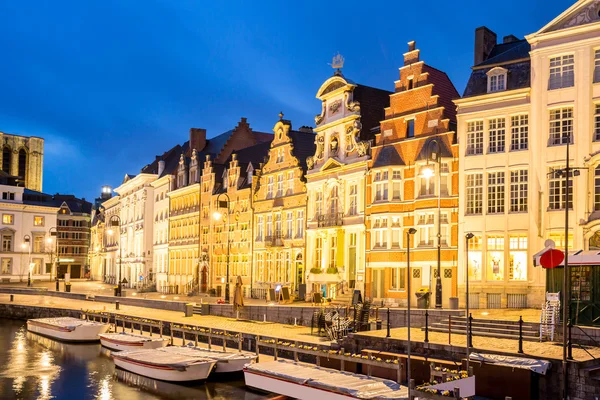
<point x="217" y="215"/>
<point x="468" y="237"/>
<point x="411" y="231"/>
<point x="27" y="242"/>
<point x="53" y="234"/>
<point x="115" y="221"/>
<point x="435" y="156"/>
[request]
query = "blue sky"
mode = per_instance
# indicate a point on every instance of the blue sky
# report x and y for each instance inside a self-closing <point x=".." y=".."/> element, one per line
<point x="111" y="84"/>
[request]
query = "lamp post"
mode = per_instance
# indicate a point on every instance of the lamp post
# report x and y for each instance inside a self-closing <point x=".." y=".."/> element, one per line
<point x="411" y="231"/>
<point x="115" y="221"/>
<point x="27" y="242"/>
<point x="53" y="234"/>
<point x="435" y="156"/>
<point x="468" y="237"/>
<point x="217" y="216"/>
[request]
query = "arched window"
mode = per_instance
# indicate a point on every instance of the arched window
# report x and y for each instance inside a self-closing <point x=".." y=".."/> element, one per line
<point x="22" y="163"/>
<point x="597" y="188"/>
<point x="6" y="159"/>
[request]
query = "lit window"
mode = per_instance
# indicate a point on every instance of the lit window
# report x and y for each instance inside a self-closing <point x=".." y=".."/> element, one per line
<point x="495" y="255"/>
<point x="474" y="261"/>
<point x="38" y="221"/>
<point x="561" y="126"/>
<point x="597" y="66"/>
<point x="398" y="278"/>
<point x="353" y="209"/>
<point x="474" y="138"/>
<point x="269" y="187"/>
<point x="519" y="132"/>
<point x="497" y="135"/>
<point x="518" y="190"/>
<point x="557" y="189"/>
<point x="7" y="219"/>
<point x="562" y="72"/>
<point x="495" y="193"/>
<point x="496" y="79"/>
<point x="517" y="267"/>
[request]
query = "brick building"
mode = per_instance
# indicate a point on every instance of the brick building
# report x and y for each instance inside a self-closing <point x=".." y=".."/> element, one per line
<point x="406" y="181"/>
<point x="73" y="227"/>
<point x="280" y="211"/>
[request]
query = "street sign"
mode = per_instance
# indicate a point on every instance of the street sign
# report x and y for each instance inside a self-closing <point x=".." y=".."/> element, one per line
<point x="124" y="281"/>
<point x="552" y="258"/>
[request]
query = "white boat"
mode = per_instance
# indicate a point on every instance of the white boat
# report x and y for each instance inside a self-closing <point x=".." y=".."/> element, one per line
<point x="67" y="328"/>
<point x="226" y="361"/>
<point x="165" y="366"/>
<point x="309" y="382"/>
<point x="131" y="341"/>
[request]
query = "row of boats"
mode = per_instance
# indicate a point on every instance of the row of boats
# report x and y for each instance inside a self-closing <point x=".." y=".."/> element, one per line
<point x="152" y="357"/>
<point x="144" y="355"/>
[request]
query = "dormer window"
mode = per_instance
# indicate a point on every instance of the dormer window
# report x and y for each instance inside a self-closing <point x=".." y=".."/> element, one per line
<point x="496" y="80"/>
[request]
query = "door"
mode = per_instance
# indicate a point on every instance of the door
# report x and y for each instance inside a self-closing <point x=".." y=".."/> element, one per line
<point x="585" y="299"/>
<point x="203" y="279"/>
<point x="377" y="289"/>
<point x="352" y="267"/>
<point x="75" y="271"/>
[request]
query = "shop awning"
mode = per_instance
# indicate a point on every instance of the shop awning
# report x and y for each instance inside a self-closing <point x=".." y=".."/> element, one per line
<point x="577" y="257"/>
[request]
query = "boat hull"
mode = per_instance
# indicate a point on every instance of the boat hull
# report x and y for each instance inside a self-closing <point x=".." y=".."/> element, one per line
<point x="228" y="366"/>
<point x="294" y="390"/>
<point x="82" y="333"/>
<point x="195" y="372"/>
<point x="117" y="345"/>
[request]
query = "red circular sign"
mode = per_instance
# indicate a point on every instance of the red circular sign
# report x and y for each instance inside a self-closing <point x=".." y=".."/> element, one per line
<point x="552" y="258"/>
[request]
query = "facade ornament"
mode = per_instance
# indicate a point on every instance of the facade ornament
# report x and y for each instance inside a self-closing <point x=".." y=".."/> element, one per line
<point x="319" y="118"/>
<point x="181" y="159"/>
<point x="585" y="16"/>
<point x="352" y="136"/>
<point x="337" y="63"/>
<point x="362" y="148"/>
<point x="335" y="106"/>
<point x="194" y="155"/>
<point x="310" y="162"/>
<point x="320" y="147"/>
<point x="334" y="146"/>
<point x="352" y="106"/>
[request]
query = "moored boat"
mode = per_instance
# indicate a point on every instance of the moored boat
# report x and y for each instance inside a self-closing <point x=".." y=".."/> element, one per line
<point x="165" y="366"/>
<point x="304" y="381"/>
<point x="131" y="341"/>
<point x="226" y="361"/>
<point x="67" y="328"/>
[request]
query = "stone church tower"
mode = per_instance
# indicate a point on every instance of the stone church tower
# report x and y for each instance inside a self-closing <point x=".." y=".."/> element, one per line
<point x="23" y="157"/>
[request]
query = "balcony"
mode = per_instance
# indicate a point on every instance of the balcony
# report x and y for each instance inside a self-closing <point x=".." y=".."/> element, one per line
<point x="329" y="220"/>
<point x="275" y="240"/>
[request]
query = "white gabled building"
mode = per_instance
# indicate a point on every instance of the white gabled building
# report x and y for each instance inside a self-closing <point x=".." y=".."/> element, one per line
<point x="522" y="99"/>
<point x="25" y="230"/>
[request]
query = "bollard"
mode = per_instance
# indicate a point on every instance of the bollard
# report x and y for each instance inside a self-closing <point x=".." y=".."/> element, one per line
<point x="450" y="329"/>
<point x="470" y="331"/>
<point x="426" y="327"/>
<point x="117" y="307"/>
<point x="569" y="342"/>
<point x="520" y="334"/>
<point x="57" y="285"/>
<point x="388" y="323"/>
<point x="12" y="297"/>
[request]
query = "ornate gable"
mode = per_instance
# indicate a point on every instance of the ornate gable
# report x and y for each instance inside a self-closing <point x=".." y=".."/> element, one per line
<point x="582" y="12"/>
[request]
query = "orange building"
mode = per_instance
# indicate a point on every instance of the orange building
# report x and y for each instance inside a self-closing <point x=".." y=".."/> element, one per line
<point x="413" y="167"/>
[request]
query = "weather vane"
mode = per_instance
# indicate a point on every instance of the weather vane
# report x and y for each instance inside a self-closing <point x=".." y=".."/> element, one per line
<point x="337" y="62"/>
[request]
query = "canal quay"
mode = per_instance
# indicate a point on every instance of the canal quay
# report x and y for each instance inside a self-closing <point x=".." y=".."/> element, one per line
<point x="284" y="331"/>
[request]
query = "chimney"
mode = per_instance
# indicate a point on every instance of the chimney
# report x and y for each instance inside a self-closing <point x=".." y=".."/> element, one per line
<point x="485" y="40"/>
<point x="161" y="167"/>
<point x="197" y="139"/>
<point x="510" y="39"/>
<point x="306" y="129"/>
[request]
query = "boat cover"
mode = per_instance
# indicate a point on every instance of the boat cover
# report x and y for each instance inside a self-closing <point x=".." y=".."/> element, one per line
<point x="160" y="357"/>
<point x="131" y="337"/>
<point x="538" y="366"/>
<point x="359" y="386"/>
<point x="213" y="354"/>
<point x="69" y="323"/>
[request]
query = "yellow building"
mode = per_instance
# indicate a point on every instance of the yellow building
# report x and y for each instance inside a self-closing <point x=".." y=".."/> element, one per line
<point x="280" y="211"/>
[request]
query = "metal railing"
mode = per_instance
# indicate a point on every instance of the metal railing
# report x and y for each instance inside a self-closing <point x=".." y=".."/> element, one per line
<point x="168" y="289"/>
<point x="330" y="219"/>
<point x="275" y="240"/>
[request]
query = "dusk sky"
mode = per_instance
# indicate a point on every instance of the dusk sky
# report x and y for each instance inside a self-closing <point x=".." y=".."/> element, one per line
<point x="111" y="84"/>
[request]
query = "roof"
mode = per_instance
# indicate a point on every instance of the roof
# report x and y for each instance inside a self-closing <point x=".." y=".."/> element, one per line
<point x="425" y="151"/>
<point x="388" y="156"/>
<point x="251" y="155"/>
<point x="444" y="88"/>
<point x="512" y="56"/>
<point x="304" y="146"/>
<point x="372" y="102"/>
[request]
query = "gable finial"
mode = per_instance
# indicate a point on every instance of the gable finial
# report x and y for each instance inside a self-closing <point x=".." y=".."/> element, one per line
<point x="337" y="63"/>
<point x="280" y="115"/>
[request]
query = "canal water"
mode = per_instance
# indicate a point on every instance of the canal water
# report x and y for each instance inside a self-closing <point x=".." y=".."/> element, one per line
<point x="35" y="367"/>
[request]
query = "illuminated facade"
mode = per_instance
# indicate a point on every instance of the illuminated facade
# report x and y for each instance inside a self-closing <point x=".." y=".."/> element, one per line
<point x="405" y="183"/>
<point x="523" y="98"/>
<point x="73" y="233"/>
<point x="335" y="236"/>
<point x="160" y="235"/>
<point x="280" y="210"/>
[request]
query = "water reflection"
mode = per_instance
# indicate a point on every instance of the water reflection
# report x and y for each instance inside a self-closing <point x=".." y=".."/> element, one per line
<point x="36" y="367"/>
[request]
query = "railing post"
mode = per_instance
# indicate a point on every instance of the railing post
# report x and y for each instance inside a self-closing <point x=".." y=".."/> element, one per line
<point x="388" y="323"/>
<point x="569" y="342"/>
<point x="426" y="327"/>
<point x="520" y="334"/>
<point x="470" y="333"/>
<point x="450" y="330"/>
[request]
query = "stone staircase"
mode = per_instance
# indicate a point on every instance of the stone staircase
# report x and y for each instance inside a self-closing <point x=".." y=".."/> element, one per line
<point x="490" y="328"/>
<point x="343" y="299"/>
